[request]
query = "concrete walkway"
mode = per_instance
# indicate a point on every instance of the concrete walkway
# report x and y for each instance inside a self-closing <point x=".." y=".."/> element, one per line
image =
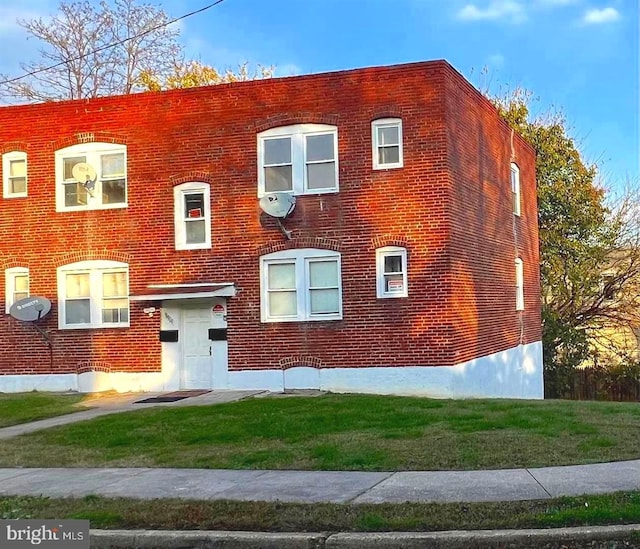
<point x="324" y="486"/>
<point x="300" y="486"/>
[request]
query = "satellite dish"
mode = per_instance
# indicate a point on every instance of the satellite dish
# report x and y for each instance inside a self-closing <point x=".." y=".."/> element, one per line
<point x="278" y="205"/>
<point x="30" y="309"/>
<point x="84" y="172"/>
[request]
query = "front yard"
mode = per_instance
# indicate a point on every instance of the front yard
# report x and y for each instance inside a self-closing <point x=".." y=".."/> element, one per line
<point x="342" y="432"/>
<point x="18" y="408"/>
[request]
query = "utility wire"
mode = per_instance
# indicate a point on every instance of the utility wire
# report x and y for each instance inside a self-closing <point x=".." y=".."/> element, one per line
<point x="113" y="45"/>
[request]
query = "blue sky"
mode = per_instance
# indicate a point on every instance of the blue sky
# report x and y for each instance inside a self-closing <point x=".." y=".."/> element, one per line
<point x="579" y="56"/>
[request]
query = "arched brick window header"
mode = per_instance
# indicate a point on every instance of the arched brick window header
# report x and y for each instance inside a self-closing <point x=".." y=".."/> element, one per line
<point x="296" y="361"/>
<point x="93" y="255"/>
<point x="289" y="119"/>
<point x="389" y="240"/>
<point x="309" y="242"/>
<point x="89" y="137"/>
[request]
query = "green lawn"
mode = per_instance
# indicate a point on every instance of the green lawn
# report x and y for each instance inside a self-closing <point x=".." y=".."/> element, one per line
<point x="617" y="508"/>
<point x="343" y="432"/>
<point x="18" y="408"/>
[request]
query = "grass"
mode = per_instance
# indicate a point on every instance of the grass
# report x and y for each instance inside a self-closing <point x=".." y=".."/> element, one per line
<point x="16" y="408"/>
<point x="618" y="508"/>
<point x="343" y="432"/>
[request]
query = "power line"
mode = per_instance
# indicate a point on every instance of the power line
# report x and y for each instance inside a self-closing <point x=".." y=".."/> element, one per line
<point x="112" y="45"/>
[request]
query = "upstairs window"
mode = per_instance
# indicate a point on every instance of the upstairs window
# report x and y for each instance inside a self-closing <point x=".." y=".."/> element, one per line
<point x="519" y="285"/>
<point x="93" y="294"/>
<point x="16" y="285"/>
<point x="14" y="169"/>
<point x="91" y="176"/>
<point x="608" y="286"/>
<point x="192" y="216"/>
<point x="515" y="188"/>
<point x="301" y="285"/>
<point x="387" y="143"/>
<point x="391" y="272"/>
<point x="301" y="159"/>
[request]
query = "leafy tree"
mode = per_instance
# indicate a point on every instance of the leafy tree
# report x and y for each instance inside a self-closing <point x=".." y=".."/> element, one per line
<point x="189" y="74"/>
<point x="589" y="245"/>
<point x="78" y="58"/>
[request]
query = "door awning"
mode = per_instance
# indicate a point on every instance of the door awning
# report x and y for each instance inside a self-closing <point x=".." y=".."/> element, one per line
<point x="162" y="292"/>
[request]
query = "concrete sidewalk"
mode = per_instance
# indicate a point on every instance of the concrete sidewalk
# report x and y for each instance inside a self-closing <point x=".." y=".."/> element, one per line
<point x="299" y="486"/>
<point x="325" y="486"/>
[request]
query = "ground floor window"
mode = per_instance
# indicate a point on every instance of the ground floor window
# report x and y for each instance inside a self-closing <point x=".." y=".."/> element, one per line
<point x="300" y="285"/>
<point x="93" y="294"/>
<point x="391" y="272"/>
<point x="16" y="285"/>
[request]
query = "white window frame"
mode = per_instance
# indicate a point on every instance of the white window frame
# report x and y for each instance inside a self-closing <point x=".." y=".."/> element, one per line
<point x="7" y="158"/>
<point x="515" y="188"/>
<point x="95" y="269"/>
<point x="92" y="153"/>
<point x="180" y="220"/>
<point x="298" y="134"/>
<point x="375" y="140"/>
<point x="10" y="284"/>
<point x="381" y="254"/>
<point x="519" y="265"/>
<point x="301" y="257"/>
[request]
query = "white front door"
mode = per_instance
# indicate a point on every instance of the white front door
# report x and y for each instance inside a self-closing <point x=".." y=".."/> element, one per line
<point x="197" y="360"/>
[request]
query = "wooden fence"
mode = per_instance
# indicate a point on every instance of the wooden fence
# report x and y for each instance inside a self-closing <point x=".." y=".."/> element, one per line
<point x="600" y="384"/>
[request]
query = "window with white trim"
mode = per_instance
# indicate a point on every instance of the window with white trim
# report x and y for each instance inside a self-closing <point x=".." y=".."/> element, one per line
<point x="192" y="216"/>
<point x="386" y="136"/>
<point x="302" y="159"/>
<point x="391" y="271"/>
<point x="91" y="176"/>
<point x="14" y="170"/>
<point x="93" y="294"/>
<point x="16" y="285"/>
<point x="519" y="284"/>
<point x="515" y="188"/>
<point x="300" y="285"/>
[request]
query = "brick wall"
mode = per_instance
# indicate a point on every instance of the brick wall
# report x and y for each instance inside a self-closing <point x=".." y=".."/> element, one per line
<point x="456" y="155"/>
<point x="486" y="236"/>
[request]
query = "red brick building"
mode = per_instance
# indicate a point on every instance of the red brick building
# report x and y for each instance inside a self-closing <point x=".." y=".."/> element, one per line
<point x="408" y="265"/>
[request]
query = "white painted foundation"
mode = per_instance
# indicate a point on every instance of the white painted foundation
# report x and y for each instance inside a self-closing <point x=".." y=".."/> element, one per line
<point x="88" y="382"/>
<point x="514" y="373"/>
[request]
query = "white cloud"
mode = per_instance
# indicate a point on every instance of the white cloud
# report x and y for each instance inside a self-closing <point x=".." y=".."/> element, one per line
<point x="509" y="10"/>
<point x="596" y="16"/>
<point x="552" y="3"/>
